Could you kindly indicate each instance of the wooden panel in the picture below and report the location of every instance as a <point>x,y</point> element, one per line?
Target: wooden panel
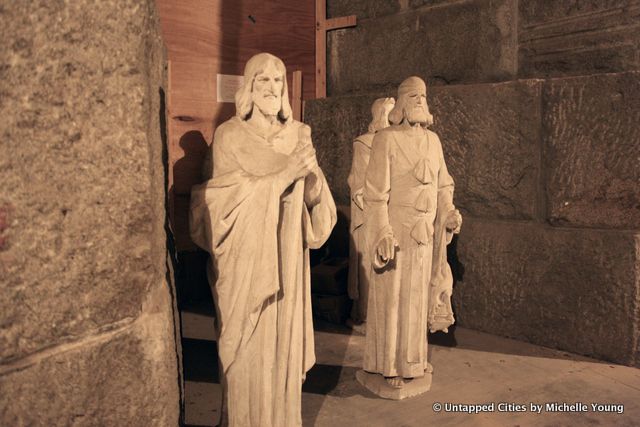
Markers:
<point>205,38</point>
<point>223,30</point>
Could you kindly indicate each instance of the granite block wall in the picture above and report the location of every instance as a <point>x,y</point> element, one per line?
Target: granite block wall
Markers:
<point>87,332</point>
<point>537,105</point>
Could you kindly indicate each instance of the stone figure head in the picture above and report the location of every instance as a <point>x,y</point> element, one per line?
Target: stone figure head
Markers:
<point>264,87</point>
<point>380,113</point>
<point>412,103</point>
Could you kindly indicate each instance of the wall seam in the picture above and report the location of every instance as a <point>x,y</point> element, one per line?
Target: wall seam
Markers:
<point>113,330</point>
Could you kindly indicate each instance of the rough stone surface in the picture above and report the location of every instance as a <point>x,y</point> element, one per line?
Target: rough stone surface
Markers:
<point>363,9</point>
<point>472,41</point>
<point>335,122</point>
<point>559,38</point>
<point>86,327</point>
<point>109,382</point>
<point>592,150</point>
<point>75,169</point>
<point>490,134</point>
<point>575,290</point>
<point>427,3</point>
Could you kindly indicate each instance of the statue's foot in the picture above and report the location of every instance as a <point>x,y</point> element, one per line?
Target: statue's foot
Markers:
<point>395,382</point>
<point>398,382</point>
<point>429,368</point>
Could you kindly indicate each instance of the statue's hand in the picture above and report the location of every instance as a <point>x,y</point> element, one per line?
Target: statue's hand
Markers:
<point>312,187</point>
<point>386,249</point>
<point>301,162</point>
<point>454,221</point>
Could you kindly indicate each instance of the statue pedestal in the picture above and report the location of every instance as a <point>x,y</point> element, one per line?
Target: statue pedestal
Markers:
<point>376,384</point>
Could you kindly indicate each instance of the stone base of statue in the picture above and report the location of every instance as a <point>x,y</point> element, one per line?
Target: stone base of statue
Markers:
<point>379,386</point>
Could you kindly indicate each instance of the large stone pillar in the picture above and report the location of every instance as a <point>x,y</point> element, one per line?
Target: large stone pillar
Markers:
<point>87,332</point>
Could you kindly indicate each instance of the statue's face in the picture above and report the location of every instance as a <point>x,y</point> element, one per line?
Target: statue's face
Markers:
<point>415,109</point>
<point>266,93</point>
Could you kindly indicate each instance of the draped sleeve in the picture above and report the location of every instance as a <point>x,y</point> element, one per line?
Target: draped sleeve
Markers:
<point>360,160</point>
<point>376,190</point>
<point>440,315</point>
<point>319,214</point>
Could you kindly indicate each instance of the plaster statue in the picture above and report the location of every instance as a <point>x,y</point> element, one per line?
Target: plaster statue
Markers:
<point>267,204</point>
<point>409,219</point>
<point>359,268</point>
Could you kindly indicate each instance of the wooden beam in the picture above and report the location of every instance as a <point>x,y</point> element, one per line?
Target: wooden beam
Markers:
<point>341,22</point>
<point>321,49</point>
<point>296,95</point>
<point>322,27</point>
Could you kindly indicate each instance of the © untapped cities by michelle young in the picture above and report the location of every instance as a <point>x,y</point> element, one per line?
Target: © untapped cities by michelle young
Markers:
<point>538,408</point>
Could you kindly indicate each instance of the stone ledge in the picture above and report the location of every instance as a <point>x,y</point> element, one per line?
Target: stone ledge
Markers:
<point>576,38</point>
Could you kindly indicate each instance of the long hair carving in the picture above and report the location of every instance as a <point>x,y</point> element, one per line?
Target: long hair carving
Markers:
<point>255,66</point>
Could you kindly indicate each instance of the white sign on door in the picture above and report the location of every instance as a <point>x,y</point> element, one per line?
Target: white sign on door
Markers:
<point>227,86</point>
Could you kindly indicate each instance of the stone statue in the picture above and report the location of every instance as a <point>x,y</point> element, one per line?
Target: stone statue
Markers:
<point>359,269</point>
<point>409,220</point>
<point>267,204</point>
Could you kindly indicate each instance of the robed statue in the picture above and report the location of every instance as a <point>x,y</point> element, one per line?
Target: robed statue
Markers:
<point>359,263</point>
<point>266,205</point>
<point>409,219</point>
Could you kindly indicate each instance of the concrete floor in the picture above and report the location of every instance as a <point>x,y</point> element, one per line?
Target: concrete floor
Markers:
<point>469,368</point>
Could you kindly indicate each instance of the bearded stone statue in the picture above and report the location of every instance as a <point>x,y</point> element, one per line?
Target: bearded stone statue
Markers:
<point>267,204</point>
<point>409,220</point>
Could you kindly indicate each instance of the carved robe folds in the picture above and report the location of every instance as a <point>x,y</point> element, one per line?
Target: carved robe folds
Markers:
<point>359,260</point>
<point>258,229</point>
<point>408,193</point>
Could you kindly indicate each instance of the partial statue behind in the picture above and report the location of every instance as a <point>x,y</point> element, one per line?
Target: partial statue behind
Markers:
<point>359,264</point>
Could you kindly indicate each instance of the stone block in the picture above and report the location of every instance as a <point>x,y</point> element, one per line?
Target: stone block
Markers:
<point>578,37</point>
<point>363,9</point>
<point>122,379</point>
<point>80,169</point>
<point>592,150</point>
<point>490,135</point>
<point>472,41</point>
<point>335,122</point>
<point>575,290</point>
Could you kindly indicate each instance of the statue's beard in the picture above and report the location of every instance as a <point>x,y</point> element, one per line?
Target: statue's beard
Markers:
<point>419,114</point>
<point>268,105</point>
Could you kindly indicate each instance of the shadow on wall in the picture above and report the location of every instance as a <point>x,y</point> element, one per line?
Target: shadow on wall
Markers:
<point>190,273</point>
<point>187,171</point>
